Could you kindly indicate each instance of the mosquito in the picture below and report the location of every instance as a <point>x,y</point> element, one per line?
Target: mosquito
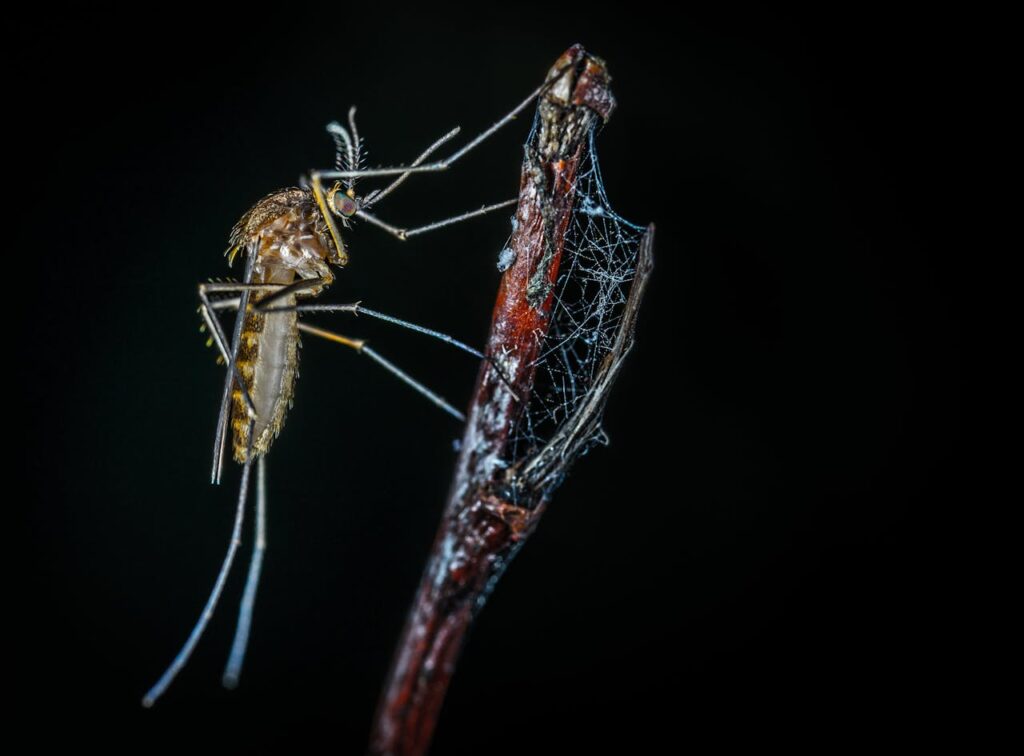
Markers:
<point>290,240</point>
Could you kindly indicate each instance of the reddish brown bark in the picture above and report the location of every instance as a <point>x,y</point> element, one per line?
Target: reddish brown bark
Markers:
<point>482,528</point>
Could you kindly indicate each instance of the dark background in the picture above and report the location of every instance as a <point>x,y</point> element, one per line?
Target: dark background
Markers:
<point>765,551</point>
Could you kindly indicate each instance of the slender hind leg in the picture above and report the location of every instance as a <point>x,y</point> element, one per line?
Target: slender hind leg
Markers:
<point>233,670</point>
<point>358,309</point>
<point>360,346</point>
<point>218,587</point>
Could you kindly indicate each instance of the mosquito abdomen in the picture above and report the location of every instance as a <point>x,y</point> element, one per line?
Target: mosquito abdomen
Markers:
<point>291,243</point>
<point>268,363</point>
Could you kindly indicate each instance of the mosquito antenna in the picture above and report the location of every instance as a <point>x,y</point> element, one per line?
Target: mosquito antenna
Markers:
<point>360,155</point>
<point>342,142</point>
<point>346,148</point>
<point>211,603</point>
<point>233,670</point>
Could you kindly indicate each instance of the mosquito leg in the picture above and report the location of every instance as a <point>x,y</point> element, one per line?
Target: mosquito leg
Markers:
<point>374,197</point>
<point>360,346</point>
<point>439,165</point>
<point>217,333</point>
<point>266,305</point>
<point>227,287</point>
<point>221,340</point>
<point>234,667</point>
<point>225,304</point>
<point>358,309</point>
<point>207,309</point>
<point>405,233</point>
<point>304,284</point>
<point>279,292</point>
<point>211,603</point>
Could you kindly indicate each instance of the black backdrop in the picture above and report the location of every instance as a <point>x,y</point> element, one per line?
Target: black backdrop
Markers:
<point>760,553</point>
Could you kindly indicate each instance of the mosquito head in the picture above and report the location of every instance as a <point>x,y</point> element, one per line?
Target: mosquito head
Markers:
<point>342,203</point>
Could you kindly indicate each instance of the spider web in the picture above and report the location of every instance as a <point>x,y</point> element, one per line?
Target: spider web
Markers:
<point>598,263</point>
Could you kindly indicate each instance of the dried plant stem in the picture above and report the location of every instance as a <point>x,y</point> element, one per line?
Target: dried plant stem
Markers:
<point>495,502</point>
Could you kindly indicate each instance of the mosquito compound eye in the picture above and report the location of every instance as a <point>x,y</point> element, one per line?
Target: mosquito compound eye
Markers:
<point>344,205</point>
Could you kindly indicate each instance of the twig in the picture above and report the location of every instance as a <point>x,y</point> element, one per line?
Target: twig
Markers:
<point>496,500</point>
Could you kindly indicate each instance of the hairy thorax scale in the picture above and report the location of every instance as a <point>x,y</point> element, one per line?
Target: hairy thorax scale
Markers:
<point>286,233</point>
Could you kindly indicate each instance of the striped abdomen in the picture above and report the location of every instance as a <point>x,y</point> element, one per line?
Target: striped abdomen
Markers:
<point>268,363</point>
